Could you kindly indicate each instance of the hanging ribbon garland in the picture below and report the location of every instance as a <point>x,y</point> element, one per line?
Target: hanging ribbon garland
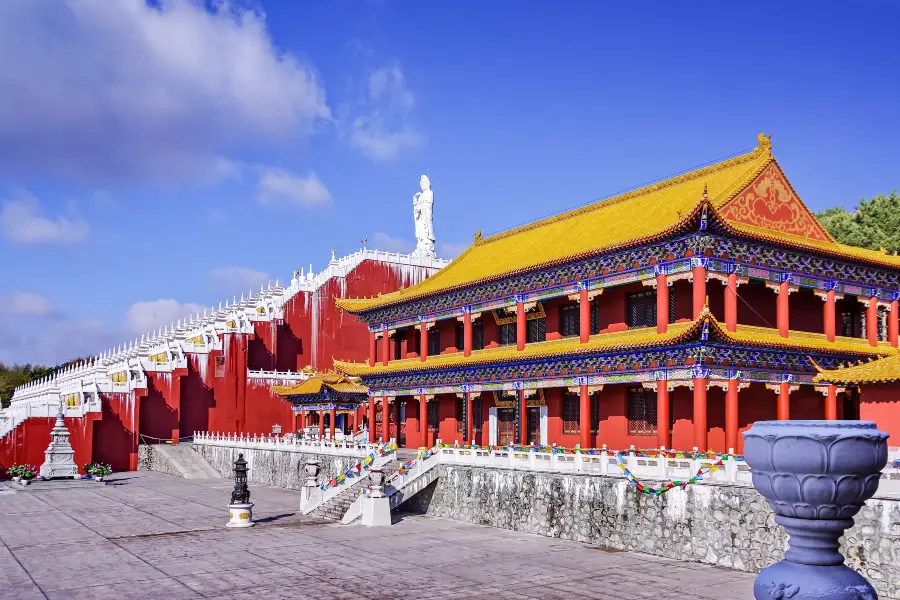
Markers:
<point>358,467</point>
<point>650,490</point>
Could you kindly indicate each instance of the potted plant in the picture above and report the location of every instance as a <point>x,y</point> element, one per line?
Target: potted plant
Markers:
<point>14,473</point>
<point>26,474</point>
<point>98,470</point>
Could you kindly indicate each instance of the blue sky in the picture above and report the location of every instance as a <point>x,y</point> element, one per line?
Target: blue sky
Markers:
<point>157,158</point>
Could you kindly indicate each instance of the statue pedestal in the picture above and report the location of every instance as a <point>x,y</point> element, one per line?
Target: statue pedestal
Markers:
<point>241,515</point>
<point>376,512</point>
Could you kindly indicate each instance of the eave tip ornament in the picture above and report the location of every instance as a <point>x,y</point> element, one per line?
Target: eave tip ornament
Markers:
<point>765,142</point>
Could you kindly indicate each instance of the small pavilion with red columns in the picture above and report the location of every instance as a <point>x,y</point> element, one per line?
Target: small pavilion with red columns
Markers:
<point>675,315</point>
<point>327,397</point>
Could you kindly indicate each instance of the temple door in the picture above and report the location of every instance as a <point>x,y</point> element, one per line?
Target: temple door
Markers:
<point>506,426</point>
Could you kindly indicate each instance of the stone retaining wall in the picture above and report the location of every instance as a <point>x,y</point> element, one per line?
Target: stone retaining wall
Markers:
<point>281,468</point>
<point>725,525</point>
<point>151,459</point>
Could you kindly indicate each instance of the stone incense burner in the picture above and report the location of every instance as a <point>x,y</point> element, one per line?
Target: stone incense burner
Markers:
<point>816,475</point>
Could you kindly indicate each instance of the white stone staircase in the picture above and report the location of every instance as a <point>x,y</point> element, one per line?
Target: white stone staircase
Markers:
<point>336,507</point>
<point>187,462</point>
<point>403,486</point>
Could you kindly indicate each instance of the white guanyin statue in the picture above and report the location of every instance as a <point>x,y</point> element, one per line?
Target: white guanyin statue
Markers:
<point>423,204</point>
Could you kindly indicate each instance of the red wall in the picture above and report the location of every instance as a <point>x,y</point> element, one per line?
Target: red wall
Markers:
<point>881,403</point>
<point>27,442</point>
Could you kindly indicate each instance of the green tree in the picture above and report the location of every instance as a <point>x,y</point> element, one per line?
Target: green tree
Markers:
<point>873,224</point>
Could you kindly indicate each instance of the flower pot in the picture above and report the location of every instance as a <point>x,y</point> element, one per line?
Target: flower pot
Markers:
<point>98,477</point>
<point>25,481</point>
<point>17,479</point>
<point>815,475</point>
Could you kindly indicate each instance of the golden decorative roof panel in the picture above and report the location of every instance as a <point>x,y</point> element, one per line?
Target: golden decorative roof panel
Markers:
<point>883,370</point>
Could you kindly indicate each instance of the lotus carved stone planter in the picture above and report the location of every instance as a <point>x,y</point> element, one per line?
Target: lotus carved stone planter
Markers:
<point>816,475</point>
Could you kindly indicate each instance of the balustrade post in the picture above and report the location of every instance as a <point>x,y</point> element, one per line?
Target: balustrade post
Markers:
<point>579,461</point>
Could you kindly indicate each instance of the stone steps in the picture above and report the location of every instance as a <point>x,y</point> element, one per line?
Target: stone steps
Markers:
<point>190,464</point>
<point>335,508</point>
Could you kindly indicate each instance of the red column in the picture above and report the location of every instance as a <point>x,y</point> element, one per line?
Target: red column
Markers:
<point>385,419</point>
<point>584,316</point>
<point>782,307</point>
<point>731,303</point>
<point>523,419</point>
<point>423,420</point>
<point>467,334</point>
<point>662,303</point>
<point>371,419</point>
<point>332,417</point>
<point>373,345</point>
<point>872,321</point>
<point>386,347</point>
<point>783,410</point>
<point>893,322</point>
<point>468,425</point>
<point>584,418</point>
<point>831,403</point>
<point>520,326</point>
<point>353,417</point>
<point>700,432</point>
<point>731,416</point>
<point>828,315</point>
<point>321,424</point>
<point>423,342</point>
<point>302,416</point>
<point>662,414</point>
<point>699,290</point>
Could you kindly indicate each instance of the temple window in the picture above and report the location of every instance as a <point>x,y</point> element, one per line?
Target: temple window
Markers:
<point>595,413</point>
<point>595,316</point>
<point>460,417</point>
<point>434,415</point>
<point>476,414</point>
<point>568,320</point>
<point>477,335</point>
<point>853,318</point>
<point>641,309</point>
<point>535,330</point>
<point>571,414</point>
<point>506,333</point>
<point>220,366</point>
<point>434,341</point>
<point>641,411</point>
<point>398,343</point>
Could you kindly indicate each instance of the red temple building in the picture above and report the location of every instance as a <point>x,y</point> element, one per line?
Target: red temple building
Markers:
<point>675,315</point>
<point>209,372</point>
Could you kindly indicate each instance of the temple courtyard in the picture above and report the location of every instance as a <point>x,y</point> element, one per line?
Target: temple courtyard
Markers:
<point>149,535</point>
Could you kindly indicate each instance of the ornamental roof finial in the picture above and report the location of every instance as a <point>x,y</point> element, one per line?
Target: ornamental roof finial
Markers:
<point>477,236</point>
<point>765,142</point>
<point>705,191</point>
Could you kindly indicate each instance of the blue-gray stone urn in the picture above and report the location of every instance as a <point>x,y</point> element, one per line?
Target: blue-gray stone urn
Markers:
<point>816,475</point>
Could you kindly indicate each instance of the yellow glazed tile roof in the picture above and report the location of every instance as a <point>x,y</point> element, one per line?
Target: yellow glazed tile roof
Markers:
<point>633,217</point>
<point>625,340</point>
<point>600,226</point>
<point>876,371</point>
<point>337,382</point>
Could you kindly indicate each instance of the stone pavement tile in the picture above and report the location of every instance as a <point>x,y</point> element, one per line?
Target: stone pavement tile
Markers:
<point>62,567</point>
<point>210,563</point>
<point>233,580</point>
<point>291,593</point>
<point>22,503</point>
<point>152,589</point>
<point>21,591</point>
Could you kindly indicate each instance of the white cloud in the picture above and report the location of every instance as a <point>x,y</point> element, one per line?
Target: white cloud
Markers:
<point>381,126</point>
<point>445,250</point>
<point>143,317</point>
<point>382,241</point>
<point>22,222</point>
<point>27,304</point>
<point>96,90</point>
<point>240,278</point>
<point>277,186</point>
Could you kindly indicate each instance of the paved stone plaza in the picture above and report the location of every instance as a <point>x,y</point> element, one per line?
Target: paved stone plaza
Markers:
<point>149,535</point>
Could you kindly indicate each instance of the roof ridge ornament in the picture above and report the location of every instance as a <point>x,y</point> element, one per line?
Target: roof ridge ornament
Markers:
<point>765,142</point>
